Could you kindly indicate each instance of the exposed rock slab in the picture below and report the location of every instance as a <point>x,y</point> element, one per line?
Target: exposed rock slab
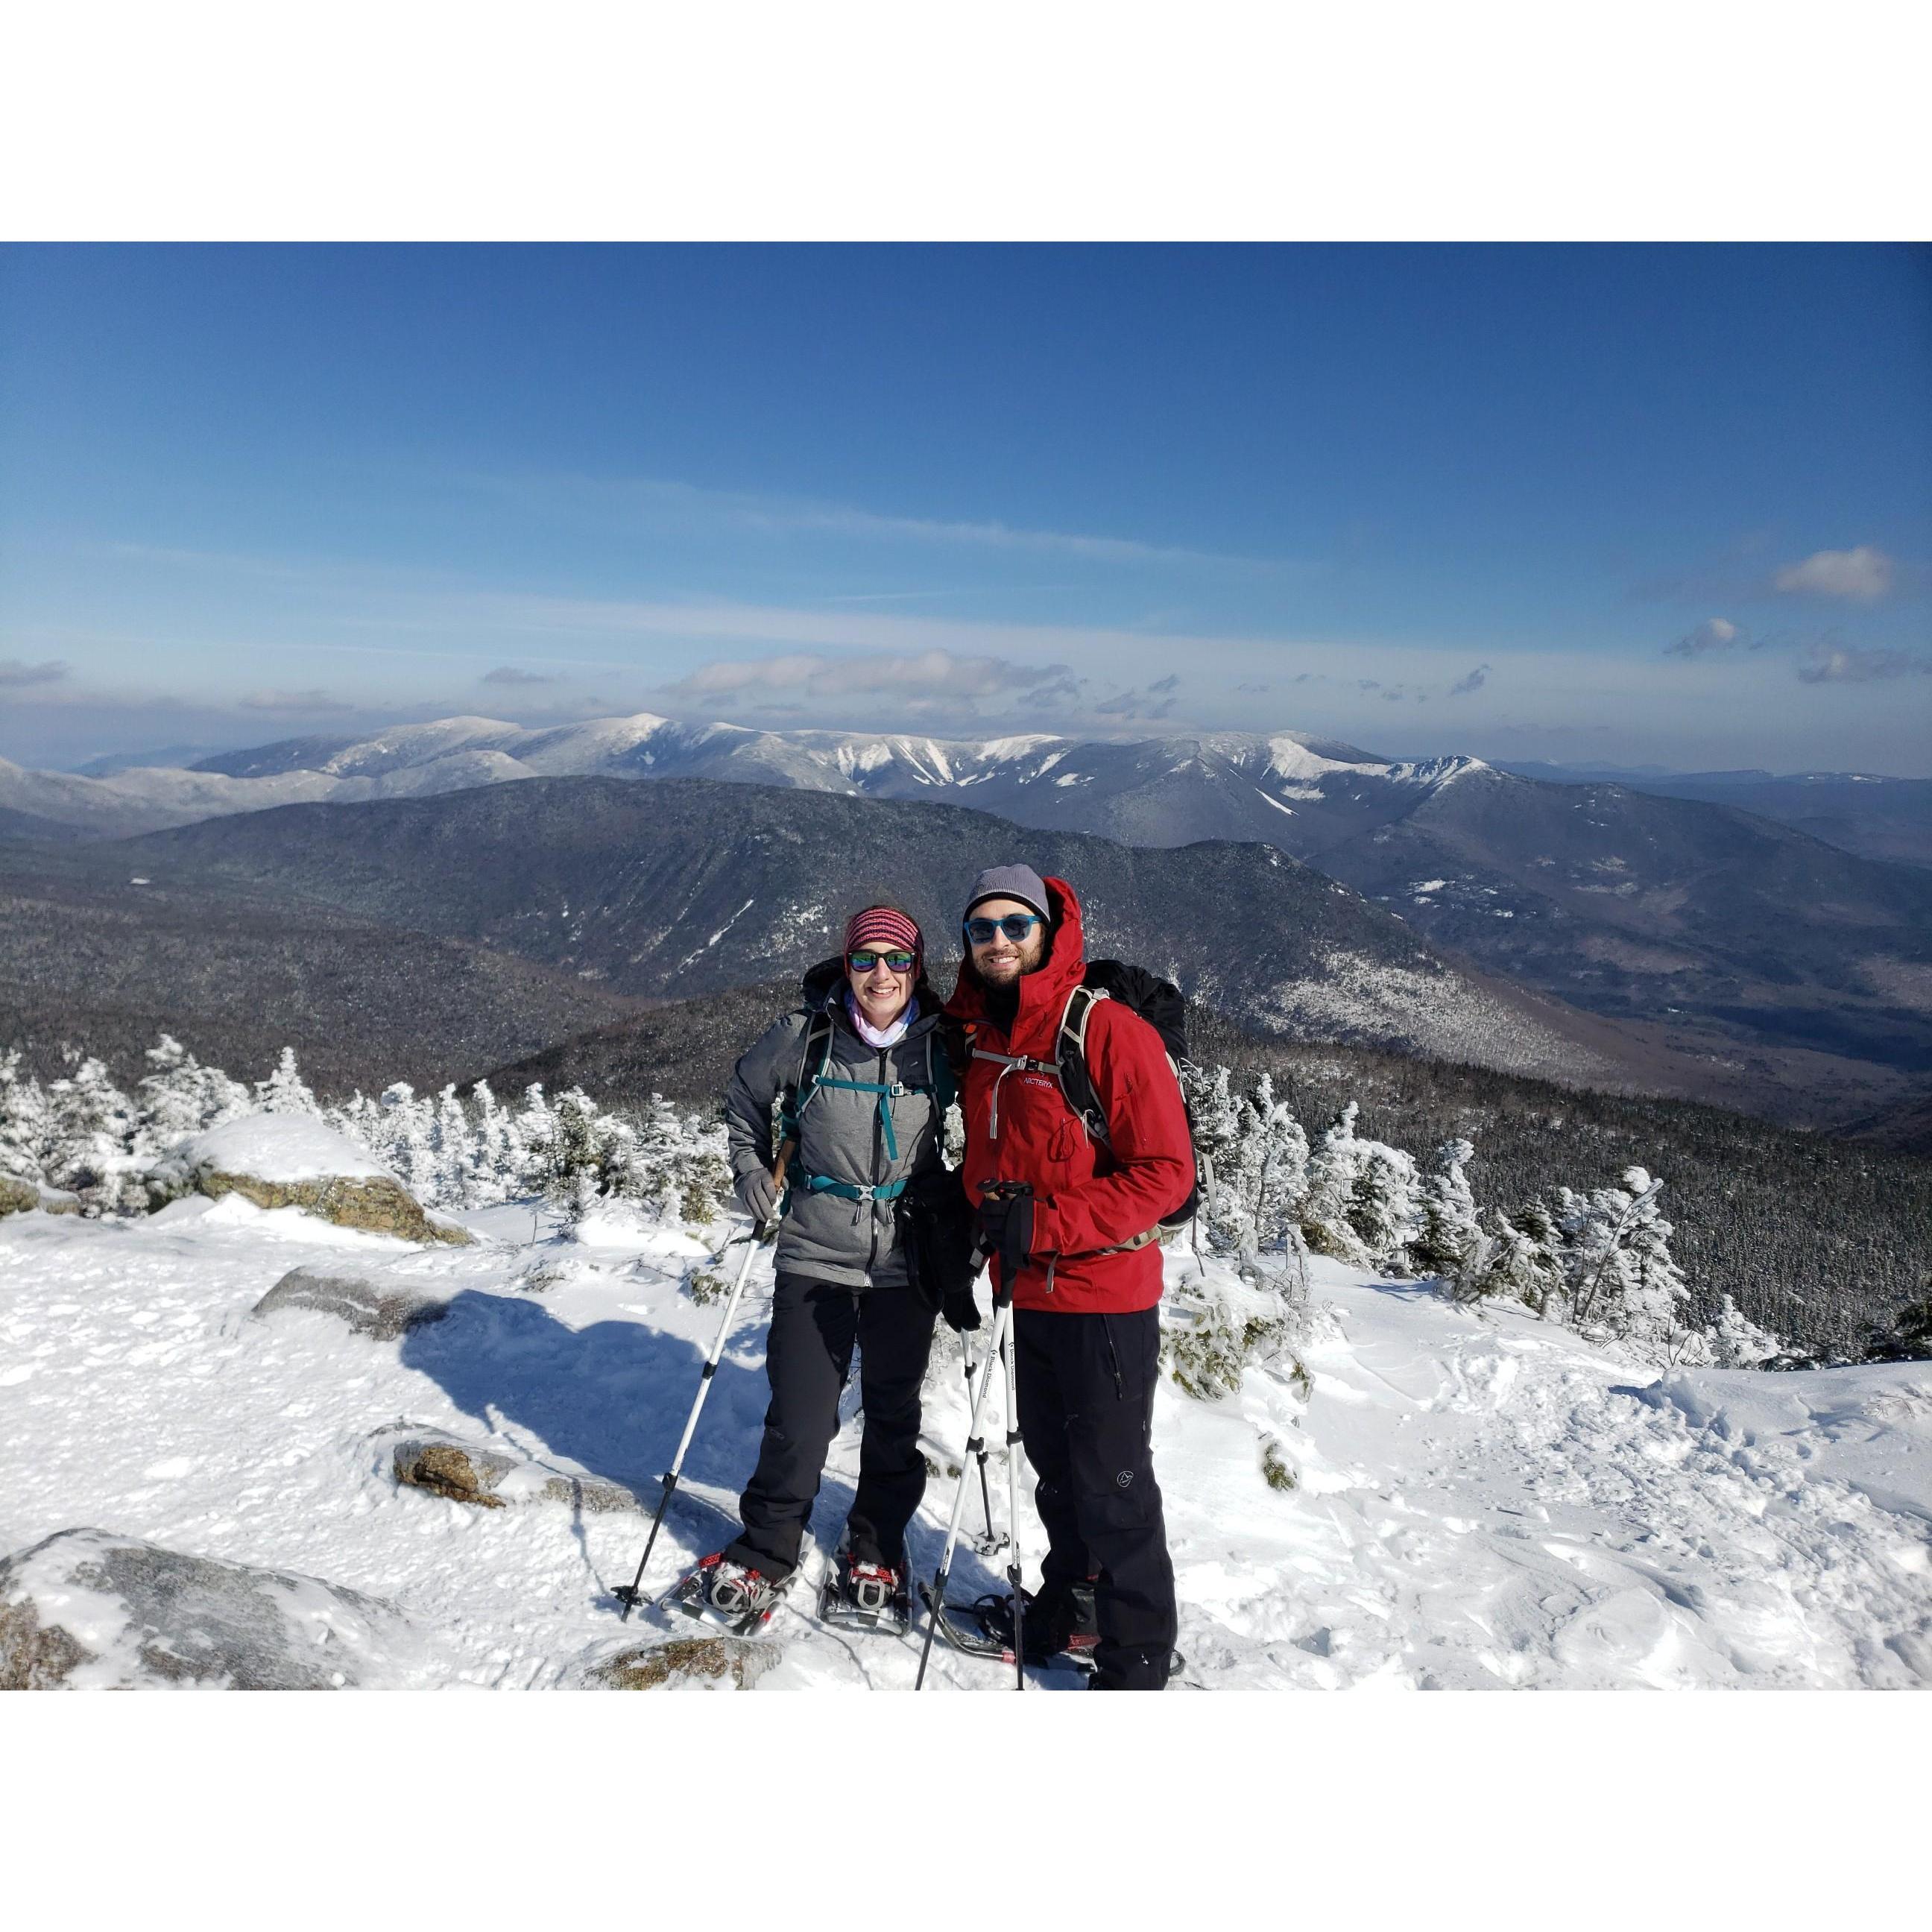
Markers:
<point>20,1197</point>
<point>465,1472</point>
<point>382,1310</point>
<point>87,1609</point>
<point>374,1203</point>
<point>685,1663</point>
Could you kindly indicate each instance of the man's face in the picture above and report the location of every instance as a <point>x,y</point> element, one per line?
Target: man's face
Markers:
<point>1001,960</point>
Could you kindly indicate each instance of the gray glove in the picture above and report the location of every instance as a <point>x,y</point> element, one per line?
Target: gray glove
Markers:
<point>759,1193</point>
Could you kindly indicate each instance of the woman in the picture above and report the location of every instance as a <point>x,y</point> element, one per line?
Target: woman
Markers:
<point>862,1084</point>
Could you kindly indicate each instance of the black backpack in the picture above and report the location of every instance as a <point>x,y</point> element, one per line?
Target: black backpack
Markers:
<point>1158,1002</point>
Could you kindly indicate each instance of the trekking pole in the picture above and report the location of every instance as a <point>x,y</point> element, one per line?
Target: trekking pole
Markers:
<point>990,1545</point>
<point>633,1596</point>
<point>935,1602</point>
<point>1007,1352</point>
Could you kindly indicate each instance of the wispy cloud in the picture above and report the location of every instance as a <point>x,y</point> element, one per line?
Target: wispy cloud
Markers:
<point>16,674</point>
<point>510,674</point>
<point>658,498</point>
<point>930,673</point>
<point>1156,701</point>
<point>303,702</point>
<point>1714,633</point>
<point>1843,663</point>
<point>1862,575</point>
<point>1476,679</point>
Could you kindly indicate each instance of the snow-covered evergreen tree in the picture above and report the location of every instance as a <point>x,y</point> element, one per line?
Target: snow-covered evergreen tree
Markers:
<point>1623,1280</point>
<point>1224,1219</point>
<point>1385,1206</point>
<point>27,1134</point>
<point>88,1147</point>
<point>1736,1342</point>
<point>1280,1167</point>
<point>285,1091</point>
<point>1448,1243</point>
<point>179,1097</point>
<point>1520,1258</point>
<point>1333,1169</point>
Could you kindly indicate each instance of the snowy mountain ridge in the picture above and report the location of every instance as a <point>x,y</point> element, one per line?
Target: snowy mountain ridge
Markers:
<point>452,753</point>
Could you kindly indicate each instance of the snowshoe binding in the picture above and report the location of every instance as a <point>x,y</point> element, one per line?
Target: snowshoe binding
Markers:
<point>1057,1627</point>
<point>729,1596</point>
<point>861,1595</point>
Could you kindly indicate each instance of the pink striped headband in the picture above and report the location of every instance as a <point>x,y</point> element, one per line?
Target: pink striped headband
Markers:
<point>881,927</point>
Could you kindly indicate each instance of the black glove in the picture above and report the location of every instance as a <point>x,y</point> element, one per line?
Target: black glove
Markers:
<point>961,1311</point>
<point>1006,1233</point>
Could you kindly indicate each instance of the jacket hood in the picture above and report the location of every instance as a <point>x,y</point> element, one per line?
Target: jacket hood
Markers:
<point>1044,992</point>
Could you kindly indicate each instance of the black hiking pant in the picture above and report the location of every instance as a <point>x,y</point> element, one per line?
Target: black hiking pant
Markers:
<point>1086,1386</point>
<point>808,1357</point>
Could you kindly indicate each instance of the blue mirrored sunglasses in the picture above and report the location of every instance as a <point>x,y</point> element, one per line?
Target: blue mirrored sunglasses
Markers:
<point>1015,926</point>
<point>864,962</point>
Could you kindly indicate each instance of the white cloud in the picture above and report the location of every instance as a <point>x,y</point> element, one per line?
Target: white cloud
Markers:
<point>1475,681</point>
<point>1841,664</point>
<point>510,674</point>
<point>1859,576</point>
<point>1714,633</point>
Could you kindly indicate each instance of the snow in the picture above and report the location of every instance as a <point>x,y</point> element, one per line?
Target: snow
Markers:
<point>1266,800</point>
<point>1288,757</point>
<point>280,1146</point>
<point>1480,1500</point>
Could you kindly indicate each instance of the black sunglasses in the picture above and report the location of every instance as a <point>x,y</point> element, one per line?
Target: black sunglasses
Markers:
<point>1015,926</point>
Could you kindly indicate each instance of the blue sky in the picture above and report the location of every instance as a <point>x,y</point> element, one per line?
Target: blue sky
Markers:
<point>1668,505</point>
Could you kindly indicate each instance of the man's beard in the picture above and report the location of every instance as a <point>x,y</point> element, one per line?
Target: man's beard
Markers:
<point>1003,1000</point>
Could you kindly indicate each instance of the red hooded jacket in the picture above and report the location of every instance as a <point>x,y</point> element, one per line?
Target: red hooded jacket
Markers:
<point>1087,1197</point>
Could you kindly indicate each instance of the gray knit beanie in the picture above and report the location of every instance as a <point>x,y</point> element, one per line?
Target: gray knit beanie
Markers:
<point>1010,882</point>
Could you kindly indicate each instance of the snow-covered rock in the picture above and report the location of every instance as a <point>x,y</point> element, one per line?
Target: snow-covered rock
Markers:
<point>292,1160</point>
<point>281,1148</point>
<point>85,1609</point>
<point>383,1311</point>
<point>465,1472</point>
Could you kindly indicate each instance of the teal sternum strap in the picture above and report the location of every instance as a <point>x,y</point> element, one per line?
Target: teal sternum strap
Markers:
<point>885,1094</point>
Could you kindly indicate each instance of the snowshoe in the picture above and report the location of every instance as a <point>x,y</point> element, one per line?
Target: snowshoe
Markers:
<point>1057,1636</point>
<point>729,1596</point>
<point>959,1626</point>
<point>864,1596</point>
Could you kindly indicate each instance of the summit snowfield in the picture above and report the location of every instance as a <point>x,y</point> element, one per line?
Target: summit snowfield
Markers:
<point>1477,1500</point>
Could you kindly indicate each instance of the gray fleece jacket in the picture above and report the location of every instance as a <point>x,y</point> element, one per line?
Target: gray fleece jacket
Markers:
<point>842,1136</point>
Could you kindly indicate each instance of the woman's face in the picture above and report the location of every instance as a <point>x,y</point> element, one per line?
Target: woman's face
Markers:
<point>881,989</point>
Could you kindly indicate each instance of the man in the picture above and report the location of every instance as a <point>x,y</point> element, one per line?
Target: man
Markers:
<point>1075,1241</point>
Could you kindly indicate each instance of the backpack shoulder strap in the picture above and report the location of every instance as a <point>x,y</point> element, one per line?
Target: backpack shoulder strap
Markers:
<point>1075,1082</point>
<point>816,1041</point>
<point>939,1072</point>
